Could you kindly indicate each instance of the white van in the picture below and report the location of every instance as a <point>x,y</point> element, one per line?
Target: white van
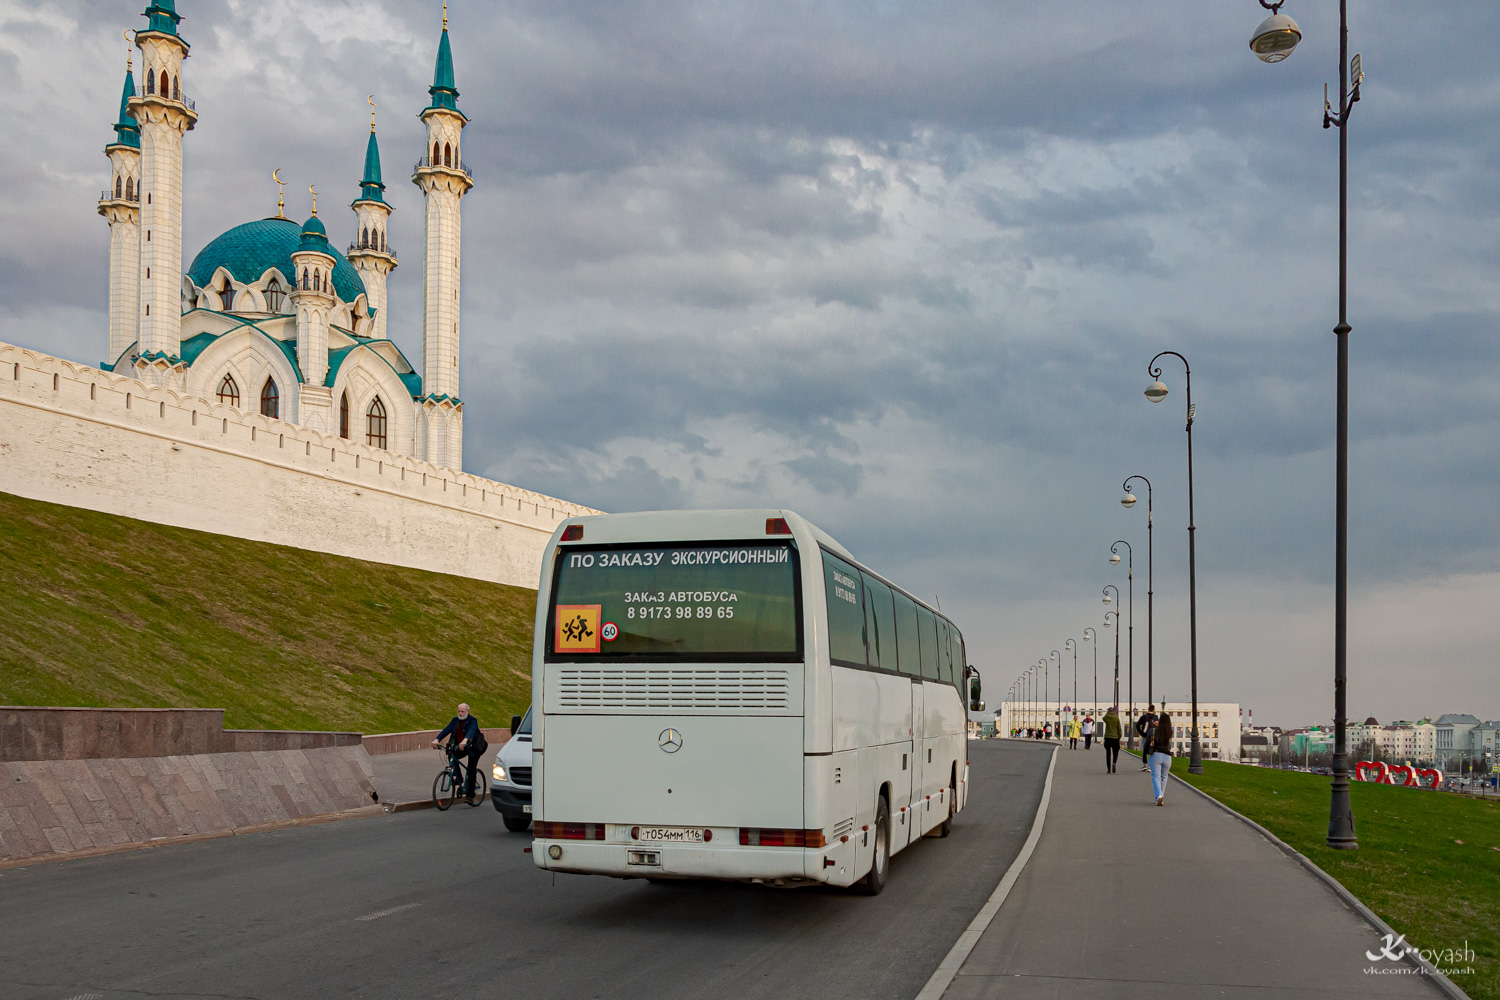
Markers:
<point>510,778</point>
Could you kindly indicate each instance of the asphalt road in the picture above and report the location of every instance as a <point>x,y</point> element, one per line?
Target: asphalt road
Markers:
<point>446,904</point>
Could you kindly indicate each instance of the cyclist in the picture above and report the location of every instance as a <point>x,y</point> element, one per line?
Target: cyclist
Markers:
<point>465,743</point>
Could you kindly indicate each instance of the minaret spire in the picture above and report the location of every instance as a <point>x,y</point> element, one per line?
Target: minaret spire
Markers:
<point>120,204</point>
<point>369,253</point>
<point>444,180</point>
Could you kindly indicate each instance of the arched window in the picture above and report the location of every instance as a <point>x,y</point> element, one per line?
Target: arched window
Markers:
<point>270,399</point>
<point>164,90</point>
<point>229,392</point>
<point>150,82</point>
<point>435,160</point>
<point>375,424</point>
<point>318,280</point>
<point>226,295</point>
<point>176,89</point>
<point>382,241</point>
<point>130,189</point>
<point>447,155</point>
<point>118,187</point>
<point>364,238</point>
<point>305,285</point>
<point>273,296</point>
<point>344,415</point>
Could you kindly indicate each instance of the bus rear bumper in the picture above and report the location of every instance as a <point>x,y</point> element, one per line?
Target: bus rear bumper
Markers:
<point>773,865</point>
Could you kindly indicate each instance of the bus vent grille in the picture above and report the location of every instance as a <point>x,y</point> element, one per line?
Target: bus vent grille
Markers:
<point>847,826</point>
<point>644,687</point>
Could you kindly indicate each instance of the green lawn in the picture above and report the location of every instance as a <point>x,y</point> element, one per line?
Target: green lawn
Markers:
<point>99,610</point>
<point>1428,862</point>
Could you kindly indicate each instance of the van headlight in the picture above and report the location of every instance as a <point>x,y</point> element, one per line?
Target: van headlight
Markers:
<point>498,772</point>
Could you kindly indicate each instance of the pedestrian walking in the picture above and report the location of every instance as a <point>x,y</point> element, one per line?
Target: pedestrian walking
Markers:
<point>1161,757</point>
<point>1145,728</point>
<point>1075,727</point>
<point>1088,731</point>
<point>1112,732</point>
<point>1047,731</point>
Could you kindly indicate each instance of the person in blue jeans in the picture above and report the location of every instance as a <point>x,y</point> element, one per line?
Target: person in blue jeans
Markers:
<point>1161,756</point>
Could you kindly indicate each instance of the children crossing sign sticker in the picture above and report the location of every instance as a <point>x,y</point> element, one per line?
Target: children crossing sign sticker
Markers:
<point>577,628</point>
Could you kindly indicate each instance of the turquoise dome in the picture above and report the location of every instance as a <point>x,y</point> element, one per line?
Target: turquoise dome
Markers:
<point>248,251</point>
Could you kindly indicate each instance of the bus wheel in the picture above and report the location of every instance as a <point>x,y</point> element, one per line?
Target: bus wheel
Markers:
<point>880,865</point>
<point>947,824</point>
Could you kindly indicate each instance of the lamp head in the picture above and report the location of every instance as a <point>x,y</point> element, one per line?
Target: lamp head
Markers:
<point>1108,599</point>
<point>1114,558</point>
<point>1275,38</point>
<point>1128,500</point>
<point>1156,391</point>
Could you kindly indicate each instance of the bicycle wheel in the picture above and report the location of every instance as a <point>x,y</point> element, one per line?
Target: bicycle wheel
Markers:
<point>481,786</point>
<point>444,791</point>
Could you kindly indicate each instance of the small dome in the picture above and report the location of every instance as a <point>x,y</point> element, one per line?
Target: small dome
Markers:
<point>1371,721</point>
<point>248,251</point>
<point>314,227</point>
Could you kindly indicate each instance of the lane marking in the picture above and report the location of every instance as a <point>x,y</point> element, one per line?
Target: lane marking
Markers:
<point>387,912</point>
<point>942,978</point>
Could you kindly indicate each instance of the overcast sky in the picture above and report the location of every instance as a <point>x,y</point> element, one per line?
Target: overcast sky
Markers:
<point>901,267</point>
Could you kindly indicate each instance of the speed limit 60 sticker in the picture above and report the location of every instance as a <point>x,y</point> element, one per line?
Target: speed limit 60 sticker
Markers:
<point>609,632</point>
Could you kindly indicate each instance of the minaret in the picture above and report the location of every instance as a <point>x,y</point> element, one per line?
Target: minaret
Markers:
<point>312,301</point>
<point>444,180</point>
<point>164,114</point>
<point>120,205</point>
<point>369,254</point>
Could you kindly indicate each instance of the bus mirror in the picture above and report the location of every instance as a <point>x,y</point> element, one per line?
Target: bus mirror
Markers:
<point>515,723</point>
<point>976,702</point>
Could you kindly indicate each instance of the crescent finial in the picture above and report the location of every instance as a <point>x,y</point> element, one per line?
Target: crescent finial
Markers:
<point>128,54</point>
<point>371,99</point>
<point>314,194</point>
<point>280,201</point>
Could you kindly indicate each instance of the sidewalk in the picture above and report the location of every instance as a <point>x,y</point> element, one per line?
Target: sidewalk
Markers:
<point>407,776</point>
<point>1125,900</point>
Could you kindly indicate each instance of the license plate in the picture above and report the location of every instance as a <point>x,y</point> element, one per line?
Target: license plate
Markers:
<point>671,835</point>
<point>526,808</point>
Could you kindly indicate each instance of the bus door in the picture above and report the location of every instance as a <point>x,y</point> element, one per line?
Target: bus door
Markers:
<point>918,780</point>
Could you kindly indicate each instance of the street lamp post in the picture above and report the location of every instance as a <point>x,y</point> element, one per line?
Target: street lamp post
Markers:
<point>1090,635</point>
<point>1073,712</point>
<point>1273,41</point>
<point>1114,557</point>
<point>1129,501</point>
<point>1116,701</point>
<point>1156,392</point>
<point>1057,711</point>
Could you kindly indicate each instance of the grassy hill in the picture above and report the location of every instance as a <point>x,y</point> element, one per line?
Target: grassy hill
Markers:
<point>100,610</point>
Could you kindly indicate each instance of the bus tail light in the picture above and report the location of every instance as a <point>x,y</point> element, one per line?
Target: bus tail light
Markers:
<point>777,526</point>
<point>569,831</point>
<point>573,533</point>
<point>751,836</point>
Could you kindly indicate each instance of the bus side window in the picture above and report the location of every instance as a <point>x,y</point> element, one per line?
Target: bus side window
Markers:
<point>960,664</point>
<point>846,616</point>
<point>906,636</point>
<point>927,633</point>
<point>945,663</point>
<point>880,624</point>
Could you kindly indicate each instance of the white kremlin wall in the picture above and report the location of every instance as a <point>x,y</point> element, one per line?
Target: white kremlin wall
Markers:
<point>76,435</point>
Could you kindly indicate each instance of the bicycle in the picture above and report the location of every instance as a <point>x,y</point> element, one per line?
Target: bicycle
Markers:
<point>449,783</point>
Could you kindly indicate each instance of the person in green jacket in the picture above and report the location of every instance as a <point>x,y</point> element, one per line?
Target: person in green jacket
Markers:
<point>1111,738</point>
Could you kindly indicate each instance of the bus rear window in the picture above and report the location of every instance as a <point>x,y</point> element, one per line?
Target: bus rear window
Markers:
<point>729,600</point>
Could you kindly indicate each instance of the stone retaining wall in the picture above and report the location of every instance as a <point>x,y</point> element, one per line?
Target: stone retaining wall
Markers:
<point>382,743</point>
<point>28,733</point>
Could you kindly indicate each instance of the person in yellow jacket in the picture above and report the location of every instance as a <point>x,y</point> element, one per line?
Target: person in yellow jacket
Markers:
<point>1075,730</point>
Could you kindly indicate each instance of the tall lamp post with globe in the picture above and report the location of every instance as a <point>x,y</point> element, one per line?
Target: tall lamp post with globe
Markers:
<point>1156,392</point>
<point>1116,701</point>
<point>1090,635</point>
<point>1128,501</point>
<point>1272,41</point>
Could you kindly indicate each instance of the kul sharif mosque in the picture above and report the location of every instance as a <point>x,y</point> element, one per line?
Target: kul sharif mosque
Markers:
<point>270,316</point>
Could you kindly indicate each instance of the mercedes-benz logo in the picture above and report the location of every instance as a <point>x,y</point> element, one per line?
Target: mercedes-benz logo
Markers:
<point>670,740</point>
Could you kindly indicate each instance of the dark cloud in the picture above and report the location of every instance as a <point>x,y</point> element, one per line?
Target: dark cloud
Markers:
<point>901,267</point>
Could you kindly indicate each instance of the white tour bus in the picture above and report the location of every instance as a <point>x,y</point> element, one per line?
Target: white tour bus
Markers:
<point>730,695</point>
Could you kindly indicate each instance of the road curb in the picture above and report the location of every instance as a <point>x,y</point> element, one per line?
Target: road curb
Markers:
<point>193,838</point>
<point>401,807</point>
<point>948,968</point>
<point>1448,986</point>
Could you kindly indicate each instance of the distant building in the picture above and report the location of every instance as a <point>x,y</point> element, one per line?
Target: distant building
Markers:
<point>1218,723</point>
<point>1257,747</point>
<point>1452,733</point>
